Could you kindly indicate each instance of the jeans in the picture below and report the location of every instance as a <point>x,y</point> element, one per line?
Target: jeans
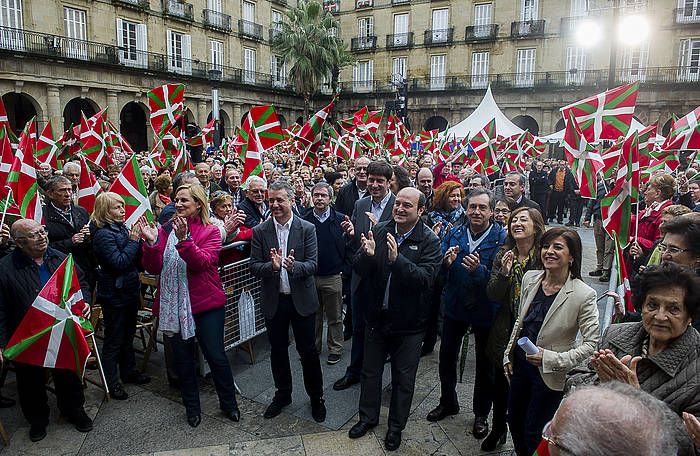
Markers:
<point>531,404</point>
<point>278,335</point>
<point>453,331</point>
<point>210,335</point>
<point>118,348</point>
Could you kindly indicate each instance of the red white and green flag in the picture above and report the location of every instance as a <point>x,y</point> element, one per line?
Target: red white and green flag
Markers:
<point>268,133</point>
<point>685,133</point>
<point>620,282</point>
<point>10,211</point>
<point>584,159</point>
<point>22,177</point>
<point>4,122</point>
<point>115,141</point>
<point>130,186</point>
<point>616,206</point>
<point>7,156</point>
<point>49,145</point>
<point>167,106</point>
<point>252,164</point>
<point>310,134</point>
<point>513,154</point>
<point>542,449</point>
<point>88,187</point>
<point>607,115</point>
<point>175,150</point>
<point>428,140</point>
<point>53,331</point>
<point>204,138</point>
<point>532,145</point>
<point>482,144</point>
<point>92,137</point>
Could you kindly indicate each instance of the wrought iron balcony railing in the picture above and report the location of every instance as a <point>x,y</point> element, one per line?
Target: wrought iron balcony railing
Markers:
<point>134,4</point>
<point>570,24</point>
<point>216,20</point>
<point>363,43</point>
<point>280,2</point>
<point>399,40</point>
<point>688,15</point>
<point>250,30</point>
<point>438,37</point>
<point>332,6</point>
<point>179,10</point>
<point>527,29</point>
<point>487,32</point>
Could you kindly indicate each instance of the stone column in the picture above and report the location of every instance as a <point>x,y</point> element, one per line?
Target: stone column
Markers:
<point>113,113</point>
<point>236,115</point>
<point>202,113</point>
<point>546,128</point>
<point>53,102</point>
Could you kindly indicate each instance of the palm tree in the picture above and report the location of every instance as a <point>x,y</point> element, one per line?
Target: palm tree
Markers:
<point>309,43</point>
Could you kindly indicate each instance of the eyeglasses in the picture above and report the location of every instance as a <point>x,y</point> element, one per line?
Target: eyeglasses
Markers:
<point>38,234</point>
<point>549,438</point>
<point>670,249</point>
<point>259,191</point>
<point>501,211</point>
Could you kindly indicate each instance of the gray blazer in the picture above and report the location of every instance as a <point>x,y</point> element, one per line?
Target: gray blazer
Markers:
<point>362,225</point>
<point>302,238</point>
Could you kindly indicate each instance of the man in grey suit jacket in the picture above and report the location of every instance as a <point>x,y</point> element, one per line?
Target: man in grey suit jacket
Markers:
<point>368,211</point>
<point>284,254</point>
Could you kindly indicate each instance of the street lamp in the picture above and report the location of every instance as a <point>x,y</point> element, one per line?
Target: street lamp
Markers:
<point>215,80</point>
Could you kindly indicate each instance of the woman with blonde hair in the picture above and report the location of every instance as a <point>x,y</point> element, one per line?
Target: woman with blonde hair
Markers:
<point>190,301</point>
<point>117,249</point>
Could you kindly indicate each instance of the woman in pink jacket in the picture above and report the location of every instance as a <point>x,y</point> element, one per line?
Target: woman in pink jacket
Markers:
<point>190,300</point>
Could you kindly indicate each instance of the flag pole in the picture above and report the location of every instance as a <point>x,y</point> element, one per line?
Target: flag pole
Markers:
<point>7,204</point>
<point>99,363</point>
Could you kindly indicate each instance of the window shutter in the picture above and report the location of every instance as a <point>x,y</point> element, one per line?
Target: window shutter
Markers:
<point>142,45</point>
<point>187,54</point>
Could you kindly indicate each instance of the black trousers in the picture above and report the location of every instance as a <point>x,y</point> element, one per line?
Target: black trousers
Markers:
<point>405,355</point>
<point>118,348</point>
<point>347,303</point>
<point>556,206</point>
<point>531,404</point>
<point>576,208</point>
<point>541,199</point>
<point>453,332</point>
<point>31,389</point>
<point>304,337</point>
<point>431,332</point>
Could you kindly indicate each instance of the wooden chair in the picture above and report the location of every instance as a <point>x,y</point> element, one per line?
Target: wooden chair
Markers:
<point>147,323</point>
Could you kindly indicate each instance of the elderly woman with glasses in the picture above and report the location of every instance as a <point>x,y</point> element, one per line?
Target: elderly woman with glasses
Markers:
<point>504,207</point>
<point>228,219</point>
<point>660,354</point>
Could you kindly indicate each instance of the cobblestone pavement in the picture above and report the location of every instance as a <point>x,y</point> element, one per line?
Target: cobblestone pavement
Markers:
<point>152,420</point>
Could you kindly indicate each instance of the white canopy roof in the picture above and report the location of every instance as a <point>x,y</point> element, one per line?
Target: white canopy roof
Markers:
<point>634,126</point>
<point>487,110</point>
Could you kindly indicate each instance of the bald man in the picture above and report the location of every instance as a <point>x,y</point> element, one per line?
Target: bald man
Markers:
<point>398,260</point>
<point>424,183</point>
<point>25,272</point>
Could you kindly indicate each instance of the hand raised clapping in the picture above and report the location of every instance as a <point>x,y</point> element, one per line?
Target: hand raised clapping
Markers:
<point>180,228</point>
<point>367,244</point>
<point>451,255</point>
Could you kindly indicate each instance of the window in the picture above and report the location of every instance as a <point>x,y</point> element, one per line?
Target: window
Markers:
<point>578,8</point>
<point>575,65</point>
<point>216,55</point>
<point>249,67</point>
<point>440,25</point>
<point>132,42</point>
<point>525,68</point>
<point>528,10</point>
<point>688,11</point>
<point>76,33</point>
<point>365,32</point>
<point>248,17</point>
<point>363,3</point>
<point>276,23</point>
<point>398,70</point>
<point>332,6</point>
<point>179,53</point>
<point>634,63</point>
<point>482,20</point>
<point>363,72</point>
<point>401,29</point>
<point>437,72</point>
<point>12,36</point>
<point>480,70</point>
<point>278,70</point>
<point>689,61</point>
<point>214,5</point>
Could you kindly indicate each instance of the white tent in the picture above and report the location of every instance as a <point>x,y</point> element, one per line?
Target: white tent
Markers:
<point>634,126</point>
<point>487,110</point>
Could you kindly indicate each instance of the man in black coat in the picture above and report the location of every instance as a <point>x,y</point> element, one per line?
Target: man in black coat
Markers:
<point>254,206</point>
<point>539,186</point>
<point>398,262</point>
<point>514,187</point>
<point>67,225</point>
<point>353,190</point>
<point>25,271</point>
<point>562,184</point>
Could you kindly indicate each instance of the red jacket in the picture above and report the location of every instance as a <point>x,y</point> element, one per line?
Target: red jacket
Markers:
<point>439,179</point>
<point>201,254</point>
<point>649,223</point>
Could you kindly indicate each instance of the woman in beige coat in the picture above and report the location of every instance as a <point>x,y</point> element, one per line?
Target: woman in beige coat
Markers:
<point>555,305</point>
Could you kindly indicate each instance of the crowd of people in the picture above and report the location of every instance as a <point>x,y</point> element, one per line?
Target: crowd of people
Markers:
<point>393,256</point>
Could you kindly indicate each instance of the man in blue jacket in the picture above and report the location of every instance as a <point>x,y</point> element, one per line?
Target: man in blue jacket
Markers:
<point>469,250</point>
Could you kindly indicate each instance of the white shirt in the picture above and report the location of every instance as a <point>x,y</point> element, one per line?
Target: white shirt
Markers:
<point>324,215</point>
<point>282,237</point>
<point>378,208</point>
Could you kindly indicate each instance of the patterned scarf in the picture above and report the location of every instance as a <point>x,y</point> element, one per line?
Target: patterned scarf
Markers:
<point>517,272</point>
<point>175,308</point>
<point>446,218</point>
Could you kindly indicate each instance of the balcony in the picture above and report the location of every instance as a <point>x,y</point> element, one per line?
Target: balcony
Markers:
<point>483,33</point>
<point>527,29</point>
<point>399,41</point>
<point>280,2</point>
<point>217,21</point>
<point>687,15</point>
<point>274,31</point>
<point>400,2</point>
<point>363,43</point>
<point>140,5</point>
<point>359,4</point>
<point>250,30</point>
<point>332,6</point>
<point>569,25</point>
<point>438,37</point>
<point>179,10</point>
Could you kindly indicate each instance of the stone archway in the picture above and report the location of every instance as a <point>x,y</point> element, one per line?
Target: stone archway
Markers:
<point>132,125</point>
<point>76,108</point>
<point>189,117</point>
<point>527,123</point>
<point>435,122</point>
<point>21,108</point>
<point>666,129</point>
<point>283,121</point>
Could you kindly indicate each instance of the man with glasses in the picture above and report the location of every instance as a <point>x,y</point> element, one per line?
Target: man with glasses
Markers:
<point>353,190</point>
<point>25,271</point>
<point>254,205</point>
<point>67,225</point>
